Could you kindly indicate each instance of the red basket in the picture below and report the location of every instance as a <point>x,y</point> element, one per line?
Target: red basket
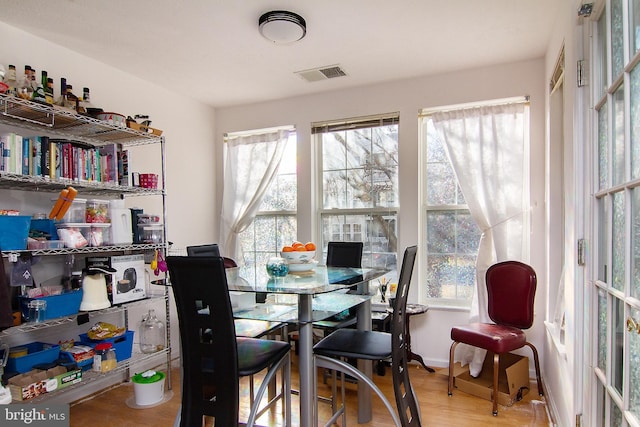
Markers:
<point>149,180</point>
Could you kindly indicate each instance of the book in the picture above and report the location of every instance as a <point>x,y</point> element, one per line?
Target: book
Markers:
<point>109,163</point>
<point>45,156</point>
<point>123,167</point>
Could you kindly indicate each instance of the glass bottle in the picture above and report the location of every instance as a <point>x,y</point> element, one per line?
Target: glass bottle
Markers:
<point>48,91</point>
<point>62,101</point>
<point>25,90</point>
<point>152,336</point>
<point>11,81</point>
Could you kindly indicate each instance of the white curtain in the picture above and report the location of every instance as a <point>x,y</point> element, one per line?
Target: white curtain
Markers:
<point>488,148</point>
<point>251,164</point>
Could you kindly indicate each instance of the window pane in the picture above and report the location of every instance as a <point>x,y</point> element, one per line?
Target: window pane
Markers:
<point>635,243</point>
<point>602,54</point>
<point>617,274</point>
<point>618,136</point>
<point>634,367</point>
<point>634,27</point>
<point>617,33</point>
<point>602,330</point>
<point>603,239</point>
<point>452,245</point>
<point>441,236</point>
<point>360,168</point>
<point>618,331</point>
<point>635,121</point>
<point>603,144</point>
<point>377,232</point>
<point>442,184</point>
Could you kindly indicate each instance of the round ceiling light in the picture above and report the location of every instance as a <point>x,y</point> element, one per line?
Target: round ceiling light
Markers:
<point>282,27</point>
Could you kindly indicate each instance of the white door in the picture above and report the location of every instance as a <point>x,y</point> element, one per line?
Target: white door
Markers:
<point>614,280</point>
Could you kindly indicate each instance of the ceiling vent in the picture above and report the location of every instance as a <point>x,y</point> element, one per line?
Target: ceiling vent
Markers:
<point>322,73</point>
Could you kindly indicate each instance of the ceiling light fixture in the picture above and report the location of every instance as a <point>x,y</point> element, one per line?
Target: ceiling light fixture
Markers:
<point>282,27</point>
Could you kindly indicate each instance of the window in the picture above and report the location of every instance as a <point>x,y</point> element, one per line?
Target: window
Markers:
<point>452,236</point>
<point>358,185</point>
<point>475,184</point>
<point>275,222</point>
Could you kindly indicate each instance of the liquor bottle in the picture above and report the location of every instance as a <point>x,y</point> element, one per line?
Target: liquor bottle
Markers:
<point>38,95</point>
<point>62,101</point>
<point>25,90</point>
<point>72,100</point>
<point>44,83</point>
<point>48,91</point>
<point>10,80</point>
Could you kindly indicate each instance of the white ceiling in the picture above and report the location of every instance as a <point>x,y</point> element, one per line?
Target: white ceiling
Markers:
<point>213,49</point>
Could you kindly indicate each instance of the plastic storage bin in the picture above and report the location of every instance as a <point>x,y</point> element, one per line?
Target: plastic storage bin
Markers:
<point>14,230</point>
<point>151,233</point>
<point>37,352</point>
<point>122,344</point>
<point>74,234</point>
<point>97,211</point>
<point>99,234</point>
<point>66,304</point>
<point>77,211</point>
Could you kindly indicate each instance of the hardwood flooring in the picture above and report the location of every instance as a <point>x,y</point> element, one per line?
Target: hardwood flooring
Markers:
<point>438,409</point>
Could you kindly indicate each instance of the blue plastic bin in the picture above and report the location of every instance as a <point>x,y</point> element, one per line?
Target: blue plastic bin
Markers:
<point>14,230</point>
<point>37,352</point>
<point>122,344</point>
<point>66,304</point>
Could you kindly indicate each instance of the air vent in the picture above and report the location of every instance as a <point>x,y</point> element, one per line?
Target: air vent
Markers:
<point>322,73</point>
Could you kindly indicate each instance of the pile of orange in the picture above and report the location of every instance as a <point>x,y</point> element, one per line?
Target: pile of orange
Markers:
<point>299,247</point>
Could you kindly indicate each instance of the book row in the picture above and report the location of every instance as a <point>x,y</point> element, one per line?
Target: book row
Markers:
<point>63,159</point>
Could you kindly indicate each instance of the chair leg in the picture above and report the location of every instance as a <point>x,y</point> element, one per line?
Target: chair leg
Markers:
<point>451,353</point>
<point>331,363</point>
<point>256,412</point>
<point>537,365</point>
<point>496,368</point>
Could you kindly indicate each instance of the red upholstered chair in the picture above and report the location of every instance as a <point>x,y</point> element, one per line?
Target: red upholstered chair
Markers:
<point>511,290</point>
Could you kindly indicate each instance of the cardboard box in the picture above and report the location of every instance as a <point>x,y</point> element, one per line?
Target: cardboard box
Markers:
<point>129,280</point>
<point>34,383</point>
<point>513,378</point>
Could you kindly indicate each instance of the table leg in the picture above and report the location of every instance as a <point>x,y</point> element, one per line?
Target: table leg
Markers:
<point>410,354</point>
<point>366,366</point>
<point>305,361</point>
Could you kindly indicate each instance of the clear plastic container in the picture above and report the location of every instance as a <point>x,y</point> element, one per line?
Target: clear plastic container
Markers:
<point>76,212</point>
<point>99,234</point>
<point>105,357</point>
<point>97,211</point>
<point>151,233</point>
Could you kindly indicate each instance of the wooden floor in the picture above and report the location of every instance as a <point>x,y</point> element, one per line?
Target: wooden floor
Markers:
<point>438,409</point>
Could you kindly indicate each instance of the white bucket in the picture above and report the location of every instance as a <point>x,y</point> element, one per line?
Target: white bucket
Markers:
<point>148,387</point>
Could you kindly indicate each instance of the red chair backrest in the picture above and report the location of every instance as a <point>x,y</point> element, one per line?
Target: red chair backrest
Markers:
<point>511,290</point>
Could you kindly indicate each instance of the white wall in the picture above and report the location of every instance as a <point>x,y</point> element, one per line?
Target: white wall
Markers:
<point>188,127</point>
<point>431,331</point>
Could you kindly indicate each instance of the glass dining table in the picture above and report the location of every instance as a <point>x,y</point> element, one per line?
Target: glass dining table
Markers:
<point>321,293</point>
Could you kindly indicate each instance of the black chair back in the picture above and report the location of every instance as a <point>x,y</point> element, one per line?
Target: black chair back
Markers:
<point>344,254</point>
<point>406,401</point>
<point>209,361</point>
<point>204,250</point>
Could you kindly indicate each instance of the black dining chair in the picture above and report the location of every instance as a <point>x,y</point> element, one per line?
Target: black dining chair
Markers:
<point>213,363</point>
<point>250,328</point>
<point>344,254</point>
<point>375,345</point>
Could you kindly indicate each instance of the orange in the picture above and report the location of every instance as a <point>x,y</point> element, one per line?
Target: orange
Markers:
<point>310,246</point>
<point>296,245</point>
<point>287,249</point>
<point>300,248</point>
